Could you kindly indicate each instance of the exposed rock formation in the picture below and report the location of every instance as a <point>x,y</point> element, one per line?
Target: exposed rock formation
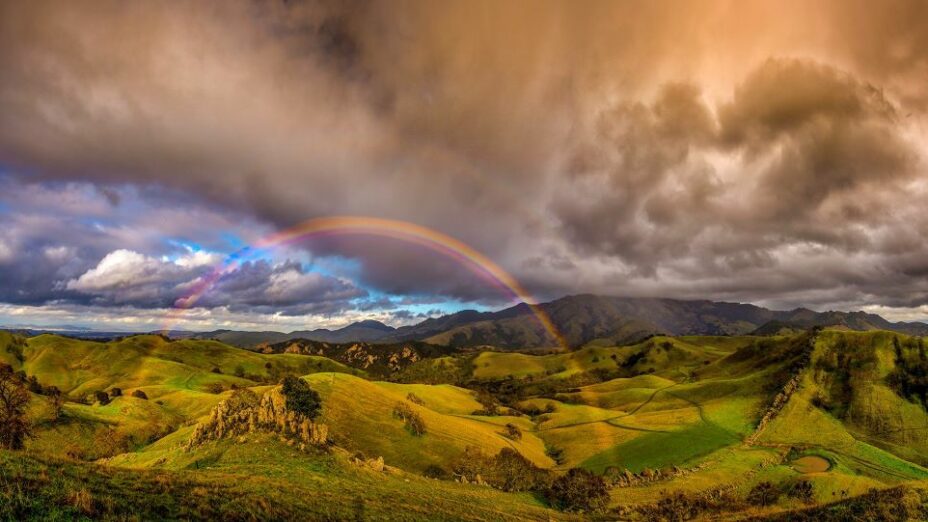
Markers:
<point>780,400</point>
<point>245,413</point>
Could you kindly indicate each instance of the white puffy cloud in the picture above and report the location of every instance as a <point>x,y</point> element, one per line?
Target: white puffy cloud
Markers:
<point>125,276</point>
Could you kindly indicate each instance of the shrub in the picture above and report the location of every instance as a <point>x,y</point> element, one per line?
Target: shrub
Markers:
<point>557,454</point>
<point>108,442</point>
<point>489,402</point>
<point>115,392</point>
<point>300,397</point>
<point>17,350</point>
<point>674,507</point>
<point>763,494</point>
<point>82,501</point>
<point>802,490</point>
<point>102,397</point>
<point>56,400</point>
<point>578,490</point>
<point>215,388</point>
<point>240,372</point>
<point>413,420</point>
<point>679,506</point>
<point>139,394</point>
<point>413,398</point>
<point>34,385</point>
<point>216,369</point>
<point>513,432</point>
<point>435,472</point>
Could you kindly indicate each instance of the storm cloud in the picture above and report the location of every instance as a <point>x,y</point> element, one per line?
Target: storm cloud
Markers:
<point>771,152</point>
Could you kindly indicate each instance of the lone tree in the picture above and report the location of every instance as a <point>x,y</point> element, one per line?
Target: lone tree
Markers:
<point>55,400</point>
<point>300,397</point>
<point>14,396</point>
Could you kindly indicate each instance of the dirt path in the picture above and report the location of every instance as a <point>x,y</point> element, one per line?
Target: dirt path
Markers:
<point>609,420</point>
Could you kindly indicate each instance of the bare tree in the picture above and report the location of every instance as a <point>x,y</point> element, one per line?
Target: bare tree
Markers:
<point>14,397</point>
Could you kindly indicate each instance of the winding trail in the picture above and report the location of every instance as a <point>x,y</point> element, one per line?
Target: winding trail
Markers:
<point>609,420</point>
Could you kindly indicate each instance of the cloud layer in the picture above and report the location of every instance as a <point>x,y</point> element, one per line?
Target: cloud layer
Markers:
<point>771,152</point>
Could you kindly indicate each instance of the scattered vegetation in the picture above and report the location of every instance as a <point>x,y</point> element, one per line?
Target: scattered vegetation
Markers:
<point>508,470</point>
<point>513,431</point>
<point>578,490</point>
<point>410,418</point>
<point>909,378</point>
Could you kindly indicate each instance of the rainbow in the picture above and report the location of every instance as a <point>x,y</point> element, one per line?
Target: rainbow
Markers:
<point>446,245</point>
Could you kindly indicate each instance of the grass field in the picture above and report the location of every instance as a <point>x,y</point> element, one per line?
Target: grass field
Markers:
<point>262,479</point>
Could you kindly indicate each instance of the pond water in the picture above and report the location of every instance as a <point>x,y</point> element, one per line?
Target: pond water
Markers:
<point>811,464</point>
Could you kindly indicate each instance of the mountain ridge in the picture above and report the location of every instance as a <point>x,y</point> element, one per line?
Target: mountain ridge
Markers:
<point>581,319</point>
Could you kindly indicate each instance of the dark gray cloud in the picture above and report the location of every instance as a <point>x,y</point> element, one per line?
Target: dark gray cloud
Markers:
<point>751,150</point>
<point>287,288</point>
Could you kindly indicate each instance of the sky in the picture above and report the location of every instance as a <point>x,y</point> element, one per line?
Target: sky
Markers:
<point>768,152</point>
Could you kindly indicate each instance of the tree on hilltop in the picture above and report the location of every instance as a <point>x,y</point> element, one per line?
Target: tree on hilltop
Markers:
<point>300,397</point>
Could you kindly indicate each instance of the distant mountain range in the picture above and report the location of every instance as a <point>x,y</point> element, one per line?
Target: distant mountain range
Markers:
<point>580,319</point>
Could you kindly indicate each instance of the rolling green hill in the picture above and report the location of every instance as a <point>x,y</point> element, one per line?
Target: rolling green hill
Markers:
<point>665,418</point>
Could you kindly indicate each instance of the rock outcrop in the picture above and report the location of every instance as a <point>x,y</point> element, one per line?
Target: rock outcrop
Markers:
<point>788,389</point>
<point>245,413</point>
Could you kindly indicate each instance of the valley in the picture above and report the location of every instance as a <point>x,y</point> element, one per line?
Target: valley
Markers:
<point>688,426</point>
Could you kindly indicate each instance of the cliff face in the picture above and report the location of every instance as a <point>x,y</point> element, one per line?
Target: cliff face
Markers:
<point>245,413</point>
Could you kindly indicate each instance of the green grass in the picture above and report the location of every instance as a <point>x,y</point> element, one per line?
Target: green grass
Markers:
<point>359,414</point>
<point>154,365</point>
<point>259,480</point>
<point>657,450</point>
<point>689,402</point>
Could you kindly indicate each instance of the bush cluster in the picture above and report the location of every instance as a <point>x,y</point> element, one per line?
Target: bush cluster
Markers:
<point>578,490</point>
<point>508,470</point>
<point>413,420</point>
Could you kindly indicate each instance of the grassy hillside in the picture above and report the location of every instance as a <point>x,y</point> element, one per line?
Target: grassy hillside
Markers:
<point>845,404</point>
<point>669,422</point>
<point>155,365</point>
<point>360,414</point>
<point>182,381</point>
<point>262,479</point>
